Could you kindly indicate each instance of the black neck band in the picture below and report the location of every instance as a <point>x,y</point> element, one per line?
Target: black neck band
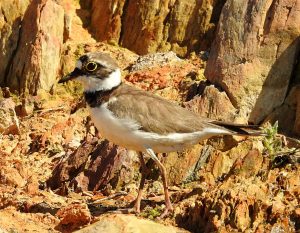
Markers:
<point>96,98</point>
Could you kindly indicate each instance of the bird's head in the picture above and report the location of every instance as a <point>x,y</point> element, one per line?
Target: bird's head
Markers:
<point>96,71</point>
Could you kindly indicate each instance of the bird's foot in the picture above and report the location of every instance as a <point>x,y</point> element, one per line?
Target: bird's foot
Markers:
<point>168,210</point>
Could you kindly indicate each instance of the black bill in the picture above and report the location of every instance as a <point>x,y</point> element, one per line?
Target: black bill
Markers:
<point>74,74</point>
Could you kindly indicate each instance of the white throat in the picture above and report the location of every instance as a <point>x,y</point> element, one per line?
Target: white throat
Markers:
<point>92,83</point>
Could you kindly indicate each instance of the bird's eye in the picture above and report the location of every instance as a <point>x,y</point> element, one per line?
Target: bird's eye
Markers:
<point>91,66</point>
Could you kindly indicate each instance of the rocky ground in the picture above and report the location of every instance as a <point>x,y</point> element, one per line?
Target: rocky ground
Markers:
<point>58,176</point>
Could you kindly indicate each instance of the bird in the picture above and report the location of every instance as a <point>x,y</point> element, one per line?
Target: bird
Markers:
<point>140,120</point>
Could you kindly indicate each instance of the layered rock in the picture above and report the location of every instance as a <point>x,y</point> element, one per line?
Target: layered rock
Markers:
<point>213,104</point>
<point>77,16</point>
<point>37,58</point>
<point>149,26</point>
<point>92,167</point>
<point>11,14</point>
<point>254,53</point>
<point>106,19</point>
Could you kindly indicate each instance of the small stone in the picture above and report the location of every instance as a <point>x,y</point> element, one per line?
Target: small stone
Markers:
<point>277,229</point>
<point>241,216</point>
<point>154,59</point>
<point>11,176</point>
<point>251,164</point>
<point>9,123</point>
<point>74,215</point>
<point>277,208</point>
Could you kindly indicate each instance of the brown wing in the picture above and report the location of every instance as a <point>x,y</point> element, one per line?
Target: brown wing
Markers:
<point>154,113</point>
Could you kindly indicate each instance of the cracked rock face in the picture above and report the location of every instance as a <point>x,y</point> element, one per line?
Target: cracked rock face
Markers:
<point>36,61</point>
<point>11,14</point>
<point>253,55</point>
<point>149,26</point>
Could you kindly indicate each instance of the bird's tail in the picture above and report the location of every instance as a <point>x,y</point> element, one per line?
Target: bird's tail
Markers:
<point>240,129</point>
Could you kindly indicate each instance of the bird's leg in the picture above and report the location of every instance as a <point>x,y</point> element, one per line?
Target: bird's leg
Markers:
<point>165,183</point>
<point>144,171</point>
<point>137,206</point>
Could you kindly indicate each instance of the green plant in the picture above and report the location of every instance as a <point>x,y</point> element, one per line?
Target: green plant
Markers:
<point>152,213</point>
<point>271,141</point>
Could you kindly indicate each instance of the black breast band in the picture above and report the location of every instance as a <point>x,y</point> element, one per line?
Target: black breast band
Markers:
<point>97,98</point>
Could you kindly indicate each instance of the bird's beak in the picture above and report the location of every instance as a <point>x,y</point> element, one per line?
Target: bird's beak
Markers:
<point>74,74</point>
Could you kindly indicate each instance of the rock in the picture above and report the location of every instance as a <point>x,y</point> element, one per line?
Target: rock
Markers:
<point>11,176</point>
<point>181,26</point>
<point>68,18</point>
<point>3,231</point>
<point>295,96</point>
<point>278,229</point>
<point>278,208</point>
<point>297,121</point>
<point>128,223</point>
<point>182,166</point>
<point>64,171</point>
<point>11,15</point>
<point>241,218</point>
<point>44,207</point>
<point>154,59</point>
<point>163,73</point>
<point>74,216</point>
<point>106,19</point>
<point>251,164</point>
<point>296,216</point>
<point>213,104</point>
<point>36,62</point>
<point>92,167</point>
<point>15,221</point>
<point>76,19</point>
<point>287,114</point>
<point>9,123</point>
<point>32,186</point>
<point>221,165</point>
<point>253,54</point>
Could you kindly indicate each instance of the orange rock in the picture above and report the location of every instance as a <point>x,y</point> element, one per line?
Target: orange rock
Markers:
<point>37,59</point>
<point>252,163</point>
<point>213,104</point>
<point>250,63</point>
<point>9,123</point>
<point>241,216</point>
<point>74,215</point>
<point>278,208</point>
<point>32,186</point>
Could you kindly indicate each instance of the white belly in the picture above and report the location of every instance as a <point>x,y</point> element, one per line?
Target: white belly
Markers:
<point>126,133</point>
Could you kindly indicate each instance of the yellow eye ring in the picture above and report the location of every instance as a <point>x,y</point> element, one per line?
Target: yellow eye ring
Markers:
<point>91,66</point>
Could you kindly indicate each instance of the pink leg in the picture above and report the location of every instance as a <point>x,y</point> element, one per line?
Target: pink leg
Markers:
<point>165,183</point>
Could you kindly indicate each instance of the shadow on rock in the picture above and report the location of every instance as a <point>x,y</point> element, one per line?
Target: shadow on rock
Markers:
<point>91,167</point>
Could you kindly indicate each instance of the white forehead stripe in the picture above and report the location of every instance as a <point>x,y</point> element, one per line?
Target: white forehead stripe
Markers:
<point>79,64</point>
<point>91,83</point>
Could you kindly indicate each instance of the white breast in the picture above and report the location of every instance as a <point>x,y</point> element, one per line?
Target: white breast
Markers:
<point>119,131</point>
<point>126,133</point>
